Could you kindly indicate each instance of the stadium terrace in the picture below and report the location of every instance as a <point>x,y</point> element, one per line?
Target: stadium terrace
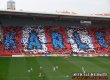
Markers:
<point>48,35</point>
<point>36,39</point>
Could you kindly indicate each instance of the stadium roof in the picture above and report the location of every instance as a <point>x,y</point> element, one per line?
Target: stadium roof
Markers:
<point>61,16</point>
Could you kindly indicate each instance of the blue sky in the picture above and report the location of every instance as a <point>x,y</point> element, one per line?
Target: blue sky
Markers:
<point>78,6</point>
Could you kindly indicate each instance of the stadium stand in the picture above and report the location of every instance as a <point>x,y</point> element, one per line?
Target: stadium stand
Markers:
<point>22,35</point>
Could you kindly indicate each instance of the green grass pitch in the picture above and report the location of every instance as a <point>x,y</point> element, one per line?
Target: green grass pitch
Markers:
<point>42,68</point>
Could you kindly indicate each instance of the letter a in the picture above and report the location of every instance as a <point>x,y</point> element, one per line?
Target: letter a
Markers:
<point>34,41</point>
